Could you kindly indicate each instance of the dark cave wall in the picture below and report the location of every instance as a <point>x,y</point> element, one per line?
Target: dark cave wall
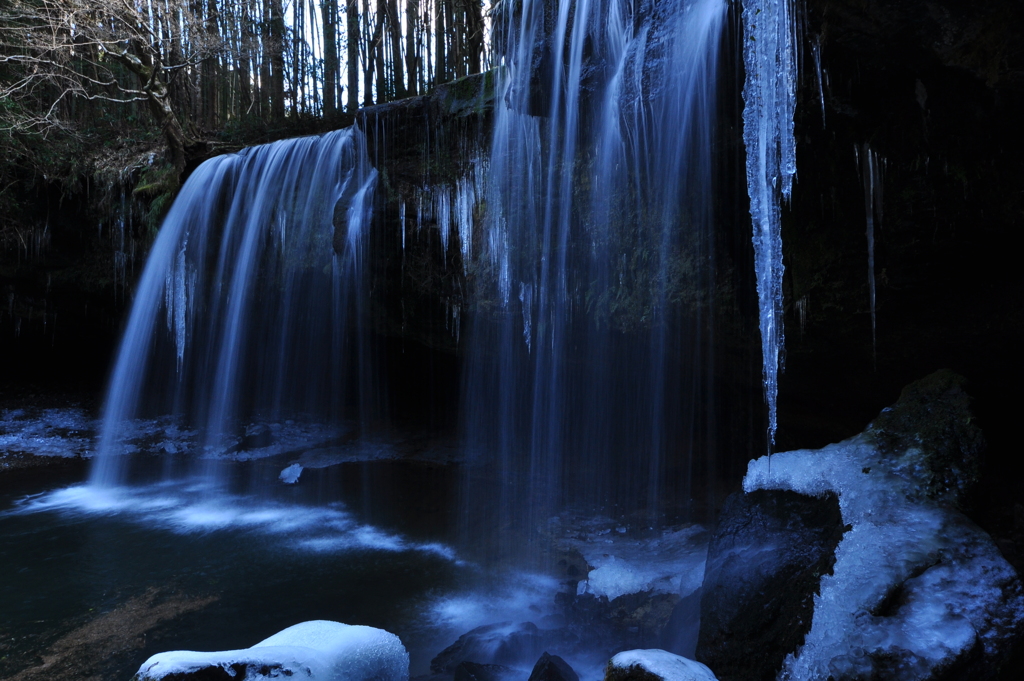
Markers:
<point>935,88</point>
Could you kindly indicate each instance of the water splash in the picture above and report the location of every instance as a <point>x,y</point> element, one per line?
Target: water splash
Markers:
<point>257,271</point>
<point>769,97</point>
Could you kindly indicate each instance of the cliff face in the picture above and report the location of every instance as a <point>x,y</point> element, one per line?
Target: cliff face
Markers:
<point>929,94</point>
<point>907,110</point>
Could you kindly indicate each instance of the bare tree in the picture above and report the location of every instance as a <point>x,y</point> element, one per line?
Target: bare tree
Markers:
<point>56,52</point>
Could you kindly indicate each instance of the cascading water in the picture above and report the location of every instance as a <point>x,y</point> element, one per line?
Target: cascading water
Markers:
<point>589,364</point>
<point>248,301</point>
<point>769,97</point>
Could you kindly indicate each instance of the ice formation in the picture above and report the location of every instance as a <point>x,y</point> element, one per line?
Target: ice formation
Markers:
<point>871,165</point>
<point>319,650</point>
<point>50,432</point>
<point>290,475</point>
<point>664,665</point>
<point>672,562</point>
<point>769,98</point>
<point>913,581</point>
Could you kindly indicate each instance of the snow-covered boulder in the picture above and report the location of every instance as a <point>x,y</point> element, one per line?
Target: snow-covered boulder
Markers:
<point>314,651</point>
<point>917,591</point>
<point>652,665</point>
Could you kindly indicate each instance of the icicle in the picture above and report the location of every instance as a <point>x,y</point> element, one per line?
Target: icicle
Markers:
<point>769,96</point>
<point>801,313</point>
<point>816,54</point>
<point>401,218</point>
<point>870,166</point>
<point>526,300</point>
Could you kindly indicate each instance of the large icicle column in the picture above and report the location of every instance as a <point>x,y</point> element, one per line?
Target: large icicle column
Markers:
<point>769,102</point>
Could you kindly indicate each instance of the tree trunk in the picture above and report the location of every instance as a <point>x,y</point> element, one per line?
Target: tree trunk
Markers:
<point>277,49</point>
<point>412,28</point>
<point>329,9</point>
<point>440,68</point>
<point>352,53</point>
<point>395,32</point>
<point>368,56</point>
<point>383,89</point>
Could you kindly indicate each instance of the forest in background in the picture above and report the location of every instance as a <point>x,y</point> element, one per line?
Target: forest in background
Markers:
<point>94,87</point>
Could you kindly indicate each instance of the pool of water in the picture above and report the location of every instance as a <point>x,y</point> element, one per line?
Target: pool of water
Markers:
<point>204,550</point>
<point>219,568</point>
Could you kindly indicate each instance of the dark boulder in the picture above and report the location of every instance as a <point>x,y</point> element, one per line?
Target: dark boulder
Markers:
<point>504,643</point>
<point>552,668</point>
<point>474,671</point>
<point>764,565</point>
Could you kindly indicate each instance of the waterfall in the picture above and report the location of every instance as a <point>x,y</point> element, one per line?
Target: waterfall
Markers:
<point>769,97</point>
<point>248,301</point>
<point>589,362</point>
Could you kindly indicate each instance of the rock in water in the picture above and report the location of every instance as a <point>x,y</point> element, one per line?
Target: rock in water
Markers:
<point>474,671</point>
<point>314,651</point>
<point>764,564</point>
<point>503,643</point>
<point>552,668</point>
<point>655,665</point>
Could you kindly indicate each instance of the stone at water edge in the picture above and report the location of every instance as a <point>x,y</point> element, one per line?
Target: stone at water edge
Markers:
<point>316,651</point>
<point>553,668</point>
<point>655,665</point>
<point>764,565</point>
<point>503,643</point>
<point>474,671</point>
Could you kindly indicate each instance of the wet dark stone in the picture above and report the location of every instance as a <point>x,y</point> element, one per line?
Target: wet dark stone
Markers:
<point>680,633</point>
<point>934,414</point>
<point>503,643</point>
<point>474,671</point>
<point>764,566</point>
<point>552,668</point>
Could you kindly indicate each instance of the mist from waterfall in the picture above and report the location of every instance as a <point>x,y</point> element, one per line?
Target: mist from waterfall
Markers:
<point>589,367</point>
<point>248,306</point>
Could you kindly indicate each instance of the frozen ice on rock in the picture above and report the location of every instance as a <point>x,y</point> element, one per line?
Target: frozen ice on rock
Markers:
<point>61,433</point>
<point>671,562</point>
<point>290,475</point>
<point>914,580</point>
<point>660,663</point>
<point>318,650</point>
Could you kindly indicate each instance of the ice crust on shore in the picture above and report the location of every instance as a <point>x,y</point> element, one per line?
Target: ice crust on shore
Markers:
<point>48,432</point>
<point>319,650</point>
<point>913,579</point>
<point>671,562</point>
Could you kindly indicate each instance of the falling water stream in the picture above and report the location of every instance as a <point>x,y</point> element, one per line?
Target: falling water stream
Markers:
<point>589,376</point>
<point>248,307</point>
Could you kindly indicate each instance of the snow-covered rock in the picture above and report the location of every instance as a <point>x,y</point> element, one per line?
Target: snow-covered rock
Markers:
<point>316,651</point>
<point>632,664</point>
<point>917,590</point>
<point>670,562</point>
